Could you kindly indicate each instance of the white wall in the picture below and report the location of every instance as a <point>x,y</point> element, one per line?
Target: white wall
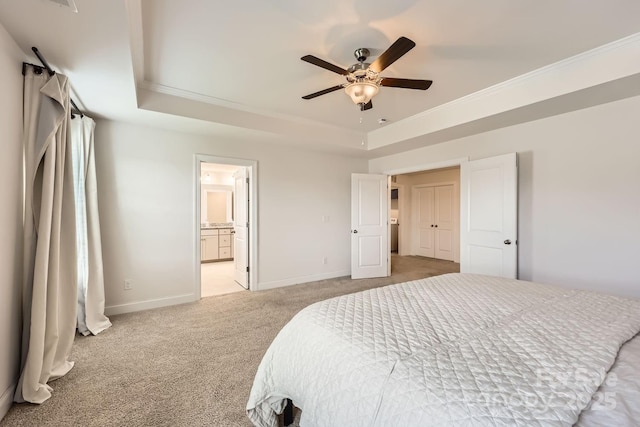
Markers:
<point>10,215</point>
<point>579,193</point>
<point>147,202</point>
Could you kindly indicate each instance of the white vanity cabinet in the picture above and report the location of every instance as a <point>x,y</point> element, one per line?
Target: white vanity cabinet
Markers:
<point>216,244</point>
<point>209,245</point>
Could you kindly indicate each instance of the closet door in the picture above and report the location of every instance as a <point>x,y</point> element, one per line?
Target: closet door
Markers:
<point>423,218</point>
<point>444,222</point>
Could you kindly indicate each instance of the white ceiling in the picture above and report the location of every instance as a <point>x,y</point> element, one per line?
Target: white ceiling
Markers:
<point>233,69</point>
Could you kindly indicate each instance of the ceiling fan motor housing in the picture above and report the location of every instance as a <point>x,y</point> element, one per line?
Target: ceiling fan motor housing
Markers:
<point>361,54</point>
<point>359,70</point>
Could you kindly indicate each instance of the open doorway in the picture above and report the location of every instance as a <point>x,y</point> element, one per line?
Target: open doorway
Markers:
<point>425,214</point>
<point>487,221</point>
<point>225,231</point>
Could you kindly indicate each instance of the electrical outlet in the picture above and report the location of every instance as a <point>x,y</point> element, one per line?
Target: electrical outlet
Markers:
<point>325,260</point>
<point>128,285</point>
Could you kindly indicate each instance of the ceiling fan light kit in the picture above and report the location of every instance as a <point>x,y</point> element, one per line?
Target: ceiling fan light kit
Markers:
<point>363,79</point>
<point>361,92</point>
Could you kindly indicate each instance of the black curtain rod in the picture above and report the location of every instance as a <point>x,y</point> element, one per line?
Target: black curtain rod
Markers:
<point>51,73</point>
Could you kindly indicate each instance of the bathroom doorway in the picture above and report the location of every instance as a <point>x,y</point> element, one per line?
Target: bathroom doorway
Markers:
<point>225,209</point>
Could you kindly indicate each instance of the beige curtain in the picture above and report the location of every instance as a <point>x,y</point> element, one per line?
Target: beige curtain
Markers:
<point>91,318</point>
<point>49,292</point>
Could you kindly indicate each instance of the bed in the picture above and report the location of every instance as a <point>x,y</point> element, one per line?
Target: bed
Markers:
<point>455,350</point>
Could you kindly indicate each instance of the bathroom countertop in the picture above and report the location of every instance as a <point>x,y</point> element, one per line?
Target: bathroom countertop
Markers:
<point>215,227</point>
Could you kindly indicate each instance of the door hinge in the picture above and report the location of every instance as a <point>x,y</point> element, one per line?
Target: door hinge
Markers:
<point>247,269</point>
<point>247,180</point>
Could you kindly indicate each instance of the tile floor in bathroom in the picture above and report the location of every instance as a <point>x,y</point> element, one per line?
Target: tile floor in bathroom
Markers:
<point>217,278</point>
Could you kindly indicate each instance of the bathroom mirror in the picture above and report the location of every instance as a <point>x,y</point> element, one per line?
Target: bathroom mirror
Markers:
<point>217,204</point>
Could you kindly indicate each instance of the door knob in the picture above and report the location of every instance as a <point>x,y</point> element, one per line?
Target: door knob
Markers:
<point>355,231</point>
<point>431,225</point>
<point>436,226</point>
<point>507,242</point>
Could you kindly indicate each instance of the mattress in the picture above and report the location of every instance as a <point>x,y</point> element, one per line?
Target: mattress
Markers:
<point>456,349</point>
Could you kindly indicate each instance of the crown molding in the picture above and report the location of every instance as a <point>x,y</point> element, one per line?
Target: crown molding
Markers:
<point>212,100</point>
<point>580,59</point>
<point>163,99</point>
<point>612,61</point>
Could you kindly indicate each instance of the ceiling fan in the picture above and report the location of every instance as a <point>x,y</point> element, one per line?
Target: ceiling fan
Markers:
<point>363,78</point>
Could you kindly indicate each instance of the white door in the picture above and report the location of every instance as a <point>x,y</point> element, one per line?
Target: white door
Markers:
<point>241,227</point>
<point>444,222</point>
<point>488,228</point>
<point>434,221</point>
<point>369,226</point>
<point>422,239</point>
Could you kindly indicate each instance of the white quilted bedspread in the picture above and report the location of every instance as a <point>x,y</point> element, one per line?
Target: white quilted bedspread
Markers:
<point>451,350</point>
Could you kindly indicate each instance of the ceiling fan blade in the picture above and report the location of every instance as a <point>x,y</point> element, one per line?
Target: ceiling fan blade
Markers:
<point>323,92</point>
<point>324,64</point>
<point>367,106</point>
<point>391,55</point>
<point>406,83</point>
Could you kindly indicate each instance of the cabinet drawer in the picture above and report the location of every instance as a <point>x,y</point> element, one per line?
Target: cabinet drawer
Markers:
<point>225,231</point>
<point>209,232</point>
<point>225,252</point>
<point>225,240</point>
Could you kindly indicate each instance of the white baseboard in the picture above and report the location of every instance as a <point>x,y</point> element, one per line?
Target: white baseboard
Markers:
<point>6,400</point>
<point>148,304</point>
<point>182,299</point>
<point>302,279</point>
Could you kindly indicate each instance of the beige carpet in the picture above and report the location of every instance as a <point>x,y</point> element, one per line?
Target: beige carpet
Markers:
<point>187,365</point>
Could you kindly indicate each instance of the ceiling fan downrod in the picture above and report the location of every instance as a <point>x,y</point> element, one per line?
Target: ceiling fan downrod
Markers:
<point>361,54</point>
